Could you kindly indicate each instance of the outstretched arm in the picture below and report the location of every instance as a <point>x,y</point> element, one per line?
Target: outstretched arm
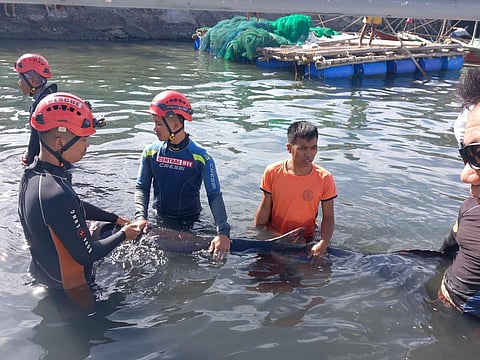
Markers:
<point>264,211</point>
<point>221,242</point>
<point>326,228</point>
<point>142,187</point>
<point>220,245</point>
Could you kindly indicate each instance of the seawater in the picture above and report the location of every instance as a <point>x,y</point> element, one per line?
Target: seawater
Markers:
<point>388,142</point>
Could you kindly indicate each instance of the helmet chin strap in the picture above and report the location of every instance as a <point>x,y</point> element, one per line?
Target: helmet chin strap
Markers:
<point>172,133</point>
<point>58,154</point>
<point>33,89</point>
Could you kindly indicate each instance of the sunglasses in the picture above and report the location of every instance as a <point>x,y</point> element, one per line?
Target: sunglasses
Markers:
<point>470,154</point>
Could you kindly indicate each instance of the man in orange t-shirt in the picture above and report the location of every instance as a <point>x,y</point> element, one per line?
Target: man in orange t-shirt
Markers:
<point>293,190</point>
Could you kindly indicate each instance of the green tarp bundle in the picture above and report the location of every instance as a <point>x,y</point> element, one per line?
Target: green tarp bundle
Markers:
<point>238,38</point>
<point>294,28</point>
<point>323,32</point>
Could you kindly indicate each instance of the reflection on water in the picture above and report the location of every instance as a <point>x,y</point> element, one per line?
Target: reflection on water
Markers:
<point>389,144</point>
<point>63,324</point>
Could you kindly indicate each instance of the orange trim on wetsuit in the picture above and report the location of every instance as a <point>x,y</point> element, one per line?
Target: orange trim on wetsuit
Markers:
<point>54,221</point>
<point>73,275</point>
<point>72,272</point>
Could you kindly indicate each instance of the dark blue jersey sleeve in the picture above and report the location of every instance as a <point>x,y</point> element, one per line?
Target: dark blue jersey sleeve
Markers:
<point>217,206</point>
<point>215,197</point>
<point>143,185</point>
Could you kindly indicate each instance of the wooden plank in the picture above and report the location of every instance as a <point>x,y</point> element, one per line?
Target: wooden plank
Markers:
<point>370,54</point>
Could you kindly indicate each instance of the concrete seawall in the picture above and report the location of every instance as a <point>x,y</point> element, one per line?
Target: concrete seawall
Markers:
<point>32,22</point>
<point>96,23</point>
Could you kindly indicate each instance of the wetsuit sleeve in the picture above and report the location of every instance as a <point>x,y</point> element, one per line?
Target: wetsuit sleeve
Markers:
<point>33,148</point>
<point>93,212</point>
<point>66,219</point>
<point>142,187</point>
<point>217,206</point>
<point>215,197</point>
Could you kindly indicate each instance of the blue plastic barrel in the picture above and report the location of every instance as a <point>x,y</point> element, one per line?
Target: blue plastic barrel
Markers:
<point>452,63</point>
<point>312,71</point>
<point>341,71</point>
<point>274,64</point>
<point>431,64</point>
<point>371,69</point>
<point>402,66</point>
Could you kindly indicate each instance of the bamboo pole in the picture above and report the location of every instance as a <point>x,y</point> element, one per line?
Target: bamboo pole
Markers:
<point>408,51</point>
<point>474,34</point>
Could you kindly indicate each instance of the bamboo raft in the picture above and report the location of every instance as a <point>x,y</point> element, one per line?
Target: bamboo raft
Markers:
<point>337,53</point>
<point>334,55</point>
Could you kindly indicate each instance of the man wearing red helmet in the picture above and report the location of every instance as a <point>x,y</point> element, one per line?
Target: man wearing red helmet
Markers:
<point>33,71</point>
<point>53,217</point>
<point>177,166</point>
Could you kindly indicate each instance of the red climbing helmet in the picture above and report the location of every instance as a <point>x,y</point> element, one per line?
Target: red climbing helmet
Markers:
<point>35,62</point>
<point>64,110</point>
<point>171,102</point>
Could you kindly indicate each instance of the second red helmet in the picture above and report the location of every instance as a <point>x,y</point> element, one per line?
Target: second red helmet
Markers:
<point>64,110</point>
<point>171,102</point>
<point>35,62</point>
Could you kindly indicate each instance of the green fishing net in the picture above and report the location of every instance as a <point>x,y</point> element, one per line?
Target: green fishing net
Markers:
<point>294,28</point>
<point>239,38</point>
<point>323,32</point>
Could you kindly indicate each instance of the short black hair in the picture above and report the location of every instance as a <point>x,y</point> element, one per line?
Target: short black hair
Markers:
<point>469,88</point>
<point>302,130</point>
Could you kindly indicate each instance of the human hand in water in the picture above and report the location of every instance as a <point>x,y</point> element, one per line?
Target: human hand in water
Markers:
<point>219,246</point>
<point>133,229</point>
<point>122,221</point>
<point>317,251</point>
<point>144,225</point>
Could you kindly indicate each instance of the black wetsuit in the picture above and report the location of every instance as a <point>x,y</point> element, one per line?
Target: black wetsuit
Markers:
<point>462,278</point>
<point>54,221</point>
<point>33,148</point>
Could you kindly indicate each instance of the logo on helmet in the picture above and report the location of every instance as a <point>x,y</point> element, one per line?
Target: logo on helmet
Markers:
<point>65,100</point>
<point>63,110</point>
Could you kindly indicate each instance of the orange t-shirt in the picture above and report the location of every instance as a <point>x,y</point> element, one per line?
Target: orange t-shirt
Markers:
<point>296,199</point>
